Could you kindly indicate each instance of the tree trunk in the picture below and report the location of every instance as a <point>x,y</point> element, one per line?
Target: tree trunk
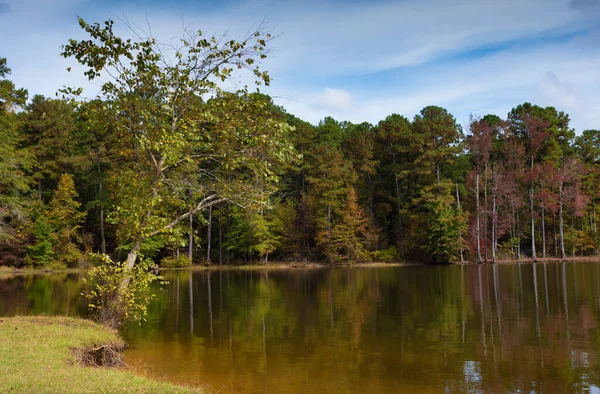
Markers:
<point>220,242</point>
<point>543,232</point>
<point>594,209</point>
<point>485,215</point>
<point>398,205</point>
<point>129,263</point>
<point>555,235</point>
<point>532,212</point>
<point>133,254</point>
<point>494,215</point>
<point>328,223</point>
<point>518,236</point>
<point>370,183</point>
<point>191,239</point>
<point>572,235</point>
<point>561,223</point>
<point>102,236</point>
<point>594,226</point>
<point>512,231</point>
<point>228,235</point>
<point>478,214</point>
<point>460,232</point>
<point>209,235</point>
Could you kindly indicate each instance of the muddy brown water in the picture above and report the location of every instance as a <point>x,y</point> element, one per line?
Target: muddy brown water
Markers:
<point>418,329</point>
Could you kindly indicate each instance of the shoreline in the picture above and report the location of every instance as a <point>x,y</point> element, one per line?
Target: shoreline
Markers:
<point>586,259</point>
<point>283,265</point>
<point>279,265</point>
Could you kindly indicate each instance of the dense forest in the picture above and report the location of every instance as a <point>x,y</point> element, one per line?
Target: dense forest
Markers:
<point>276,187</point>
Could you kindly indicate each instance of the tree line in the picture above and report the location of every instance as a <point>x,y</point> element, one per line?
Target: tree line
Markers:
<point>167,166</point>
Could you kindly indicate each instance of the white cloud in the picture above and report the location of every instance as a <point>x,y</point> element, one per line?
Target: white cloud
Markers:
<point>563,93</point>
<point>361,61</point>
<point>493,84</point>
<point>333,100</point>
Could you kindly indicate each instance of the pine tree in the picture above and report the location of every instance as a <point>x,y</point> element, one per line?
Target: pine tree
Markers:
<point>65,217</point>
<point>266,236</point>
<point>41,252</point>
<point>14,161</point>
<point>349,234</point>
<point>445,225</point>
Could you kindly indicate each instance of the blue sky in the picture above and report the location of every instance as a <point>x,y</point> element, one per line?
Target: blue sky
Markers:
<point>358,60</point>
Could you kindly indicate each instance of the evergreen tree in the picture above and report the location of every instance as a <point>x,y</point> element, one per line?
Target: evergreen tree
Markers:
<point>41,252</point>
<point>65,217</point>
<point>266,234</point>
<point>349,235</point>
<point>48,127</point>
<point>445,226</point>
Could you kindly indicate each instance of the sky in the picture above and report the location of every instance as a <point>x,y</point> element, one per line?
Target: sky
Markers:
<point>356,60</point>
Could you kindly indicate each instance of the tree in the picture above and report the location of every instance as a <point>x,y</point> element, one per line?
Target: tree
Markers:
<point>48,128</point>
<point>546,135</point>
<point>266,234</point>
<point>10,96</point>
<point>349,234</point>
<point>155,102</point>
<point>14,160</point>
<point>588,148</point>
<point>435,207</point>
<point>41,252</point>
<point>440,137</point>
<point>480,145</point>
<point>397,147</point>
<point>358,146</point>
<point>94,150</point>
<point>445,223</point>
<point>329,176</point>
<point>66,219</point>
<point>568,180</point>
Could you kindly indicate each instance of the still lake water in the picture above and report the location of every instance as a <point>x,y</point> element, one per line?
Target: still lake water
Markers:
<point>417,329</point>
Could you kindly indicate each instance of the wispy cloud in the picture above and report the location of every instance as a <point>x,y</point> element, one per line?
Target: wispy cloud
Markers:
<point>361,60</point>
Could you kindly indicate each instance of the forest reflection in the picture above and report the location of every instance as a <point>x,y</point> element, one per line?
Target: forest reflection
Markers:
<point>492,328</point>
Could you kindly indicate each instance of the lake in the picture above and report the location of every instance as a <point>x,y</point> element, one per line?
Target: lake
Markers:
<point>427,329</point>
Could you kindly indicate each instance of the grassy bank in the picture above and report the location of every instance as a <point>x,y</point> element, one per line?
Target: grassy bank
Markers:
<point>39,355</point>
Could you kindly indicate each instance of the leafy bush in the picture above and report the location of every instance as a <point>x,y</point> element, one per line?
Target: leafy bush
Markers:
<point>176,262</point>
<point>506,250</point>
<point>117,294</point>
<point>388,255</point>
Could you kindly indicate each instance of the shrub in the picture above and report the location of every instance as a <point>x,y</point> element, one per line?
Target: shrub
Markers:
<point>388,255</point>
<point>175,262</point>
<point>117,294</point>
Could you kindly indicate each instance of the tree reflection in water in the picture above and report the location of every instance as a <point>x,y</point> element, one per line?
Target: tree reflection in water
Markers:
<point>491,328</point>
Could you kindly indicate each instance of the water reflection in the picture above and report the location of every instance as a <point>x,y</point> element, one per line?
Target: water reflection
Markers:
<point>42,294</point>
<point>427,329</point>
<point>479,328</point>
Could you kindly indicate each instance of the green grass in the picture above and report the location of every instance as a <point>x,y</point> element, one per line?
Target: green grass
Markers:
<point>36,357</point>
